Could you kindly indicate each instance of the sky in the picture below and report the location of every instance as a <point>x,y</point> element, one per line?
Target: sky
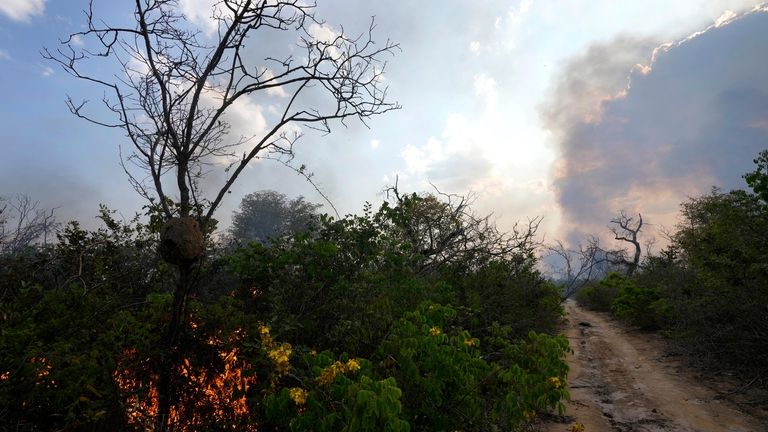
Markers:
<point>566,109</point>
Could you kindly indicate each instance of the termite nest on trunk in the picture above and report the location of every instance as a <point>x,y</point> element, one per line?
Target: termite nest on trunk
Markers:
<point>181,240</point>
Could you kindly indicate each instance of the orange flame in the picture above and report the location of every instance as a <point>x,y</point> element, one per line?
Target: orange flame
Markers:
<point>214,396</point>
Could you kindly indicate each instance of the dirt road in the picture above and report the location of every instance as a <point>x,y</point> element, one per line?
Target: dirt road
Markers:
<point>621,380</point>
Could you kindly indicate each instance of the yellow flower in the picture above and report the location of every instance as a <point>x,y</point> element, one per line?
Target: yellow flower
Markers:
<point>529,416</point>
<point>470,342</point>
<point>298,395</point>
<point>435,331</point>
<point>576,427</point>
<point>555,382</point>
<point>328,375</point>
<point>266,339</point>
<point>353,365</point>
<point>281,357</point>
<point>313,353</point>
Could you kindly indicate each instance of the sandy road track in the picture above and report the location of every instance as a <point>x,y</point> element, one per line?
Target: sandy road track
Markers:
<point>621,380</point>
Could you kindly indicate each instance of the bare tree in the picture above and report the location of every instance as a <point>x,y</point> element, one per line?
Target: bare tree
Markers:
<point>174,85</point>
<point>577,267</point>
<point>626,229</point>
<point>23,223</point>
<point>443,229</point>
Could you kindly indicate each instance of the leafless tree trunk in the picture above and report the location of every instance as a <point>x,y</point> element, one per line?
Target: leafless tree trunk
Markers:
<point>171,87</point>
<point>626,229</point>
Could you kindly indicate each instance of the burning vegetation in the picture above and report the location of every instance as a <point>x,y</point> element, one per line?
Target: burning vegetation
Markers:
<point>209,396</point>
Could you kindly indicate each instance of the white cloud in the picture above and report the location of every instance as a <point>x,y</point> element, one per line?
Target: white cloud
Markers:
<point>725,18</point>
<point>136,68</point>
<point>322,32</point>
<point>46,71</point>
<point>22,10</point>
<point>490,159</point>
<point>77,40</point>
<point>516,17</point>
<point>246,120</point>
<point>63,19</point>
<point>201,13</point>
<point>375,143</point>
<point>419,160</point>
<point>325,33</point>
<point>485,89</point>
<point>496,31</point>
<point>273,91</point>
<point>246,117</point>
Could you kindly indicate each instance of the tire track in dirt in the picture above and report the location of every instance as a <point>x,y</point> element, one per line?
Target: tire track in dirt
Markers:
<point>622,381</point>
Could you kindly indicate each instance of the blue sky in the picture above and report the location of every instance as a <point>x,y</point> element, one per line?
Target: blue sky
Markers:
<point>570,109</point>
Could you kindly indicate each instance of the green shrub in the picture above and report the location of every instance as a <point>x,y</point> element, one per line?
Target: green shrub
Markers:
<point>510,293</point>
<point>450,382</point>
<point>641,306</point>
<point>81,328</point>
<point>439,368</point>
<point>600,296</point>
<point>335,395</point>
<point>531,373</point>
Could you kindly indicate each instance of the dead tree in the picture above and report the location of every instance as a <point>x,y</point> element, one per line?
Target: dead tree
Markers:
<point>169,88</point>
<point>23,224</point>
<point>443,230</point>
<point>578,267</point>
<point>626,229</point>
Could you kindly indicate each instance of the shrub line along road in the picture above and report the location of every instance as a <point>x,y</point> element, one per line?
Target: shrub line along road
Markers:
<point>621,380</point>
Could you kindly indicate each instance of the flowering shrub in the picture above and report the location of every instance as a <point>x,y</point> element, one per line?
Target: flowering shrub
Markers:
<point>335,395</point>
<point>448,384</point>
<point>440,374</point>
<point>534,374</point>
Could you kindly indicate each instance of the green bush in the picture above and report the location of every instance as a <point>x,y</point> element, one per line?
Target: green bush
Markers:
<point>641,306</point>
<point>511,293</point>
<point>600,296</point>
<point>335,395</point>
<point>531,372</point>
<point>713,281</point>
<point>450,381</point>
<point>439,368</point>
